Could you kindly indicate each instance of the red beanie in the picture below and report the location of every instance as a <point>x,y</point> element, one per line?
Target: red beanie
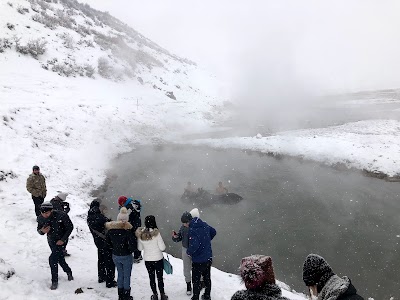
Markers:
<point>122,200</point>
<point>256,271</point>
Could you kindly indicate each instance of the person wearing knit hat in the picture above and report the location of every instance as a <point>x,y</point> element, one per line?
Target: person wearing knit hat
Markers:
<point>59,202</point>
<point>135,220</point>
<point>183,236</point>
<point>122,241</point>
<point>195,213</point>
<point>152,244</point>
<point>200,250</point>
<point>58,227</point>
<point>324,283</point>
<point>36,186</point>
<point>258,275</point>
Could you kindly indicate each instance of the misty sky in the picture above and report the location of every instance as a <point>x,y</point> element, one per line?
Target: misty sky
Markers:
<point>303,46</point>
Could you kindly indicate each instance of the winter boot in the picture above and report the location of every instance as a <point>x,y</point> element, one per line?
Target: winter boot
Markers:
<point>154,297</point>
<point>54,285</point>
<point>111,284</point>
<point>188,288</point>
<point>70,277</point>
<point>164,297</point>
<point>120,294</point>
<point>127,295</point>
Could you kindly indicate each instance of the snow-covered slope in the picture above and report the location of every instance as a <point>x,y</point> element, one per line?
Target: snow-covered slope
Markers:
<point>72,127</point>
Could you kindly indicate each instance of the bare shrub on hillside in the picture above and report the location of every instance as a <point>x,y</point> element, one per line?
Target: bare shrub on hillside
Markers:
<point>10,4</point>
<point>22,10</point>
<point>89,70</point>
<point>83,30</point>
<point>43,5</point>
<point>47,20</point>
<point>104,68</point>
<point>37,47</point>
<point>87,43</point>
<point>5,43</point>
<point>10,26</point>
<point>64,19</point>
<point>68,40</point>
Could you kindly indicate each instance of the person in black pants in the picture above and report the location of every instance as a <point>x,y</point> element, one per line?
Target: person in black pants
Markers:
<point>200,236</point>
<point>36,186</point>
<point>105,265</point>
<point>58,227</point>
<point>152,244</point>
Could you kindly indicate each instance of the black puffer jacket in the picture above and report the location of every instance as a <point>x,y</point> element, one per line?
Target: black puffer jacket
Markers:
<point>121,238</point>
<point>60,226</point>
<point>267,292</point>
<point>97,221</point>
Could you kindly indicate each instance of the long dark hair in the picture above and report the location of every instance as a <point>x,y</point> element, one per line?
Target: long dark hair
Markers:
<point>150,222</point>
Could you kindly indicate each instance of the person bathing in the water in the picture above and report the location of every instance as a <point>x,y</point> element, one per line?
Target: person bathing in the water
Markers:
<point>220,190</point>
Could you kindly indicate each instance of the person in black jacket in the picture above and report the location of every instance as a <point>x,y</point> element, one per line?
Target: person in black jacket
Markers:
<point>134,219</point>
<point>322,282</point>
<point>122,241</point>
<point>105,265</point>
<point>60,204</point>
<point>58,227</point>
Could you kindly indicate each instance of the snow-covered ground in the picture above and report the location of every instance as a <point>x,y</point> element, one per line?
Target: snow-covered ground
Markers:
<point>72,128</point>
<point>372,145</point>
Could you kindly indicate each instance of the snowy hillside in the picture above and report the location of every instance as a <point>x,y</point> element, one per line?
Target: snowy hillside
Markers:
<point>70,103</point>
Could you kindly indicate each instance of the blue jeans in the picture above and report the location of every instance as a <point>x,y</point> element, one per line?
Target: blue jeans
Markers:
<point>124,269</point>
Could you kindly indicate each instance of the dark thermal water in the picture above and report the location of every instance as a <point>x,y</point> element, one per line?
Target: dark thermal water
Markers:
<point>290,209</point>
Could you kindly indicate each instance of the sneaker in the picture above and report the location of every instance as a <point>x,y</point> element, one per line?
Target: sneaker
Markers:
<point>54,285</point>
<point>204,297</point>
<point>154,297</point>
<point>70,277</point>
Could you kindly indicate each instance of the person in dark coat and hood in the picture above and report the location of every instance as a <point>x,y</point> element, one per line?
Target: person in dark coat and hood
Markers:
<point>105,265</point>
<point>324,284</point>
<point>200,236</point>
<point>134,219</point>
<point>258,275</point>
<point>58,227</point>
<point>59,202</point>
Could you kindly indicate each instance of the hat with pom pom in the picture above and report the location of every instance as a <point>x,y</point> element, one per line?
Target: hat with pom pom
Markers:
<point>123,215</point>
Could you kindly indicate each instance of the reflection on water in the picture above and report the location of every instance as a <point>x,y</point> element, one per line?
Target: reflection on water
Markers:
<point>290,209</point>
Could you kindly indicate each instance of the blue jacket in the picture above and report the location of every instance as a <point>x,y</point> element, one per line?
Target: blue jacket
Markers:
<point>200,236</point>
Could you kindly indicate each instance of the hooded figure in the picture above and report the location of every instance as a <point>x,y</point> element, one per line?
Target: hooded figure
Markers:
<point>105,265</point>
<point>258,275</point>
<point>59,202</point>
<point>200,250</point>
<point>319,277</point>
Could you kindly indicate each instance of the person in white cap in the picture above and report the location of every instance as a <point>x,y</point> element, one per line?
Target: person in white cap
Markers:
<point>60,204</point>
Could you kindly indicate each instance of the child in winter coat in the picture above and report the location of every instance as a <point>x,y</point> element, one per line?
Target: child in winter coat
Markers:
<point>258,276</point>
<point>121,240</point>
<point>150,240</point>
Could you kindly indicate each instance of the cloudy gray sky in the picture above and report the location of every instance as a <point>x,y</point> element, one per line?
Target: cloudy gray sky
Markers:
<point>307,45</point>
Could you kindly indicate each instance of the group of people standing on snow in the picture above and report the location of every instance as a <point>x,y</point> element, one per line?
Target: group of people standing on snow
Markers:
<point>120,243</point>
